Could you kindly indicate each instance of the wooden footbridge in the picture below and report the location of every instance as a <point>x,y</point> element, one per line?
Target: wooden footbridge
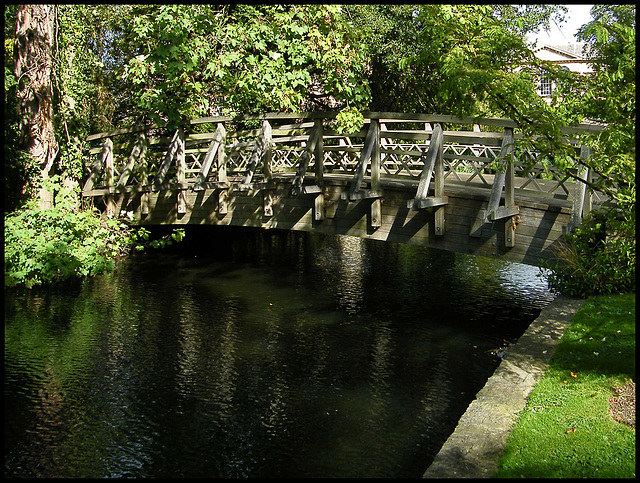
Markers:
<point>402,178</point>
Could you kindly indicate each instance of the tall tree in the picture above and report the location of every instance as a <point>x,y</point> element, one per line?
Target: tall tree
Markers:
<point>33,51</point>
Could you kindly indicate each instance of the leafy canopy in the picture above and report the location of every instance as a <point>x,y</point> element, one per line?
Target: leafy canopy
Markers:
<point>200,60</point>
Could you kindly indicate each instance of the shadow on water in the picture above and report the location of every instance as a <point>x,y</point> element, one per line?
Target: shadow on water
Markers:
<point>252,353</point>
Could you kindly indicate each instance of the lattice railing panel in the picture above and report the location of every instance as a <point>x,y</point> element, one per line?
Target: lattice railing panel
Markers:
<point>400,157</point>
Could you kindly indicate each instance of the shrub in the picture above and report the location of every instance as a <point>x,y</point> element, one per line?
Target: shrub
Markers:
<point>599,257</point>
<point>47,245</point>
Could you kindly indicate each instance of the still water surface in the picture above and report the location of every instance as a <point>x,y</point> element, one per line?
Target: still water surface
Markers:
<point>257,354</point>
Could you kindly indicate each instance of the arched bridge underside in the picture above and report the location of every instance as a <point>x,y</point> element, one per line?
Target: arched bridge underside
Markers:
<point>402,178</point>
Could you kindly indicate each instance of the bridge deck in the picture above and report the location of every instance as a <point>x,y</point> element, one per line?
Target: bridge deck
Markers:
<point>541,221</point>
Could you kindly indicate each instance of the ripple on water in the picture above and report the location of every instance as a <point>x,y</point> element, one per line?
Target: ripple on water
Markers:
<point>319,356</point>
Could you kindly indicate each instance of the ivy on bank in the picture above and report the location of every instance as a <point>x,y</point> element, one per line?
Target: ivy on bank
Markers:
<point>49,245</point>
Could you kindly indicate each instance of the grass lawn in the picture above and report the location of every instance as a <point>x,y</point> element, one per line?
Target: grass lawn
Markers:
<point>567,429</point>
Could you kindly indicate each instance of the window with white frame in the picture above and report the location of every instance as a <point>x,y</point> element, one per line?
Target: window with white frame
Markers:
<point>546,84</point>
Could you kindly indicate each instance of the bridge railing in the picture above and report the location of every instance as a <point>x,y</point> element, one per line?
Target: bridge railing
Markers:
<point>246,152</point>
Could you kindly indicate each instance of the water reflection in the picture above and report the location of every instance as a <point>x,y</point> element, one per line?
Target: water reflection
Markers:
<point>274,354</point>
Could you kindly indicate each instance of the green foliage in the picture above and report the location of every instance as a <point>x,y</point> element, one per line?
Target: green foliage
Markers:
<point>47,245</point>
<point>598,258</point>
<point>566,429</point>
<point>448,58</point>
<point>194,60</point>
<point>349,120</point>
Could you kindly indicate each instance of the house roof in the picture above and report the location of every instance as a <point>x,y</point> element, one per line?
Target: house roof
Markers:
<point>571,51</point>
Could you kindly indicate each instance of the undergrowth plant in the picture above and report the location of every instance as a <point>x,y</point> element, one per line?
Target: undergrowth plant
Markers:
<point>598,258</point>
<point>48,245</point>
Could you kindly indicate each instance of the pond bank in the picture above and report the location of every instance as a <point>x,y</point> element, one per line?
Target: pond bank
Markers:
<point>473,449</point>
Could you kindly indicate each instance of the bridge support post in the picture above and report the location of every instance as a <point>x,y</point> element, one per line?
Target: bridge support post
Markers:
<point>223,194</point>
<point>502,180</point>
<point>110,202</point>
<point>433,168</point>
<point>509,200</point>
<point>376,204</point>
<point>318,204</point>
<point>267,202</point>
<point>318,207</point>
<point>439,192</point>
<point>582,201</point>
<point>180,172</point>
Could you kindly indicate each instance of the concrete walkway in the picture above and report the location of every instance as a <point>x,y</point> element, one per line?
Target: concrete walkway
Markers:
<point>473,449</point>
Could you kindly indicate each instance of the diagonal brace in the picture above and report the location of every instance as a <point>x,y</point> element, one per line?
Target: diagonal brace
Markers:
<point>298,181</point>
<point>433,159</point>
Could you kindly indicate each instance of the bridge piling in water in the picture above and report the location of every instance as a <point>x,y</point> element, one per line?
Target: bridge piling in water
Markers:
<point>401,178</point>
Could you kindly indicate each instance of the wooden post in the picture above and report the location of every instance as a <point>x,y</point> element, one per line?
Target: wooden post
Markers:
<point>111,207</point>
<point>180,172</point>
<point>268,151</point>
<point>376,204</point>
<point>582,200</point>
<point>267,194</point>
<point>502,179</point>
<point>144,174</point>
<point>319,154</point>
<point>318,204</point>
<point>509,200</point>
<point>223,194</point>
<point>433,164</point>
<point>433,153</point>
<point>439,186</point>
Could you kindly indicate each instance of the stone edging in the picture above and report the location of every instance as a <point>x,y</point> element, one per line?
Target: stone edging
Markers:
<point>475,446</point>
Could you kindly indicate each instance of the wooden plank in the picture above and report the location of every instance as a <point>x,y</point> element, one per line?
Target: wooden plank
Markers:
<point>211,185</point>
<point>417,117</point>
<point>116,132</point>
<point>503,212</point>
<point>362,194</point>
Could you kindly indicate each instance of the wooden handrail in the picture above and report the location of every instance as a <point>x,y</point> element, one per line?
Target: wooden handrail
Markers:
<point>368,115</point>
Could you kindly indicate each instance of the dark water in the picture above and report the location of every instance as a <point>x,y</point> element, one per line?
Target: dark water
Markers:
<point>257,354</point>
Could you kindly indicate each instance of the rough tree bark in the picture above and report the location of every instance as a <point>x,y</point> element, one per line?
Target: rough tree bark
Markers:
<point>33,68</point>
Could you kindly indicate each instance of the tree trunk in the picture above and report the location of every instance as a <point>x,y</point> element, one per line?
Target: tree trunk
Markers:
<point>33,69</point>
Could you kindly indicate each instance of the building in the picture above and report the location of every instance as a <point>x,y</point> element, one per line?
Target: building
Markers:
<point>568,57</point>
